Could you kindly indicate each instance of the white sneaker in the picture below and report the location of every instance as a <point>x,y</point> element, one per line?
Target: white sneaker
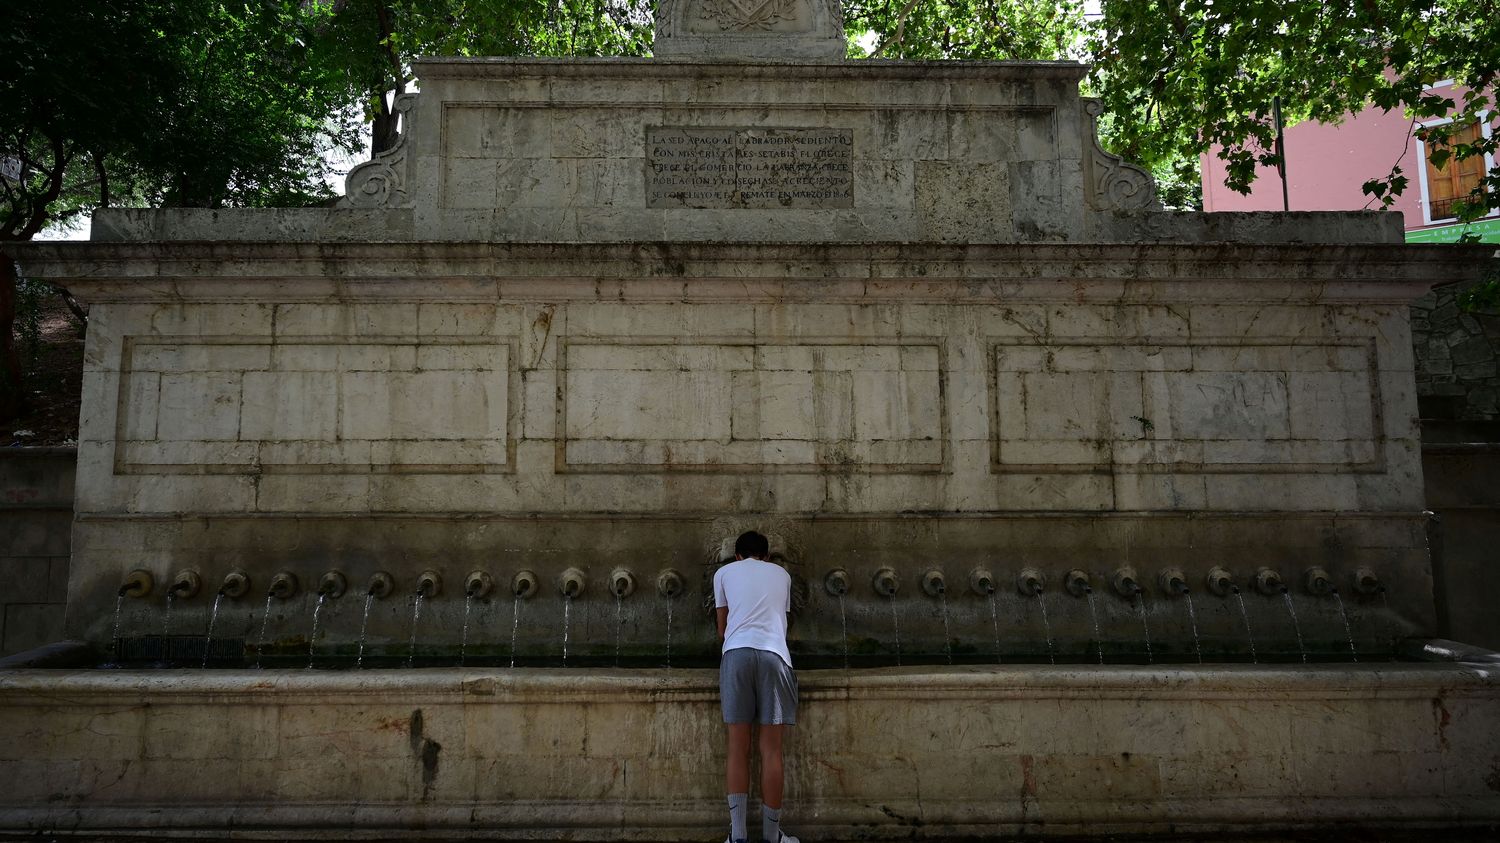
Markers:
<point>787,838</point>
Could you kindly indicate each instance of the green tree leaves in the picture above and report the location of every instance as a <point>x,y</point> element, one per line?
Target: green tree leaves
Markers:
<point>1182,76</point>
<point>964,29</point>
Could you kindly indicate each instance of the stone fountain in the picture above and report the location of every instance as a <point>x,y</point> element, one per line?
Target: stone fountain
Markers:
<point>590,319</point>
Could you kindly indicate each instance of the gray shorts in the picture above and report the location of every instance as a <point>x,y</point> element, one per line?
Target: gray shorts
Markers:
<point>756,686</point>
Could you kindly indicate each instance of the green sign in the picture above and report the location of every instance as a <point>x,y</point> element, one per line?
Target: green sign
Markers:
<point>1487,230</point>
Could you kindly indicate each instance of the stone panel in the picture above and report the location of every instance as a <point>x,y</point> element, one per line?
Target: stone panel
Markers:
<point>787,408</point>
<point>1272,406</point>
<point>919,754</point>
<point>378,404</point>
<point>749,167</point>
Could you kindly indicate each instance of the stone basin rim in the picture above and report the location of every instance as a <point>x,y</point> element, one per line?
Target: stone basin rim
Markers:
<point>1387,680</point>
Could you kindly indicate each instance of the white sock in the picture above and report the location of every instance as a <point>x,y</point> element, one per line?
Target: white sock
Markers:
<point>738,807</point>
<point>770,824</point>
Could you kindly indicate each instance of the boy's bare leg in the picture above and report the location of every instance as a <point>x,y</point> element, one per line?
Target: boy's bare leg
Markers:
<point>770,782</point>
<point>737,766</point>
<point>770,765</point>
<point>737,779</point>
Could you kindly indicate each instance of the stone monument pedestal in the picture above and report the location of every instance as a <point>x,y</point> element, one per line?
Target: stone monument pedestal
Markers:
<point>907,318</point>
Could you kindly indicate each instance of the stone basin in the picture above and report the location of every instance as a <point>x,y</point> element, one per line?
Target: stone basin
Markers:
<point>599,754</point>
<point>543,336</point>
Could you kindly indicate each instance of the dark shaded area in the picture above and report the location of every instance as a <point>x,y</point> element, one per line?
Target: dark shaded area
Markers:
<point>1434,834</point>
<point>1457,359</point>
<point>52,379</point>
<point>1461,470</point>
<point>186,651</point>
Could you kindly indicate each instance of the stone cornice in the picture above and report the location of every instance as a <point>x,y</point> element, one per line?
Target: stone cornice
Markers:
<point>467,271</point>
<point>634,68</point>
<point>551,686</point>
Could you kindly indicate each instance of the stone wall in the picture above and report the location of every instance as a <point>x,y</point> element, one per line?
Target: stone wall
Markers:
<point>307,406</point>
<point>563,323</point>
<point>1457,356</point>
<point>1462,490</point>
<point>36,523</point>
<point>900,754</point>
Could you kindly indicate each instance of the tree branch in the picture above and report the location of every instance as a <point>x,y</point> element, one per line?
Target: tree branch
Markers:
<point>61,155</point>
<point>103,180</point>
<point>895,39</point>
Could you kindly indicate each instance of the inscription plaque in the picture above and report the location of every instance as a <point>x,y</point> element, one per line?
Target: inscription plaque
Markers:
<point>700,167</point>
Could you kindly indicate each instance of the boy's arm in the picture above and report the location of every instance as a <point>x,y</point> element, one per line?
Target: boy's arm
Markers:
<point>723,615</point>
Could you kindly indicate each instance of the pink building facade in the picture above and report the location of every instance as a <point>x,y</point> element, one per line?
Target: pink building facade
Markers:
<point>1327,164</point>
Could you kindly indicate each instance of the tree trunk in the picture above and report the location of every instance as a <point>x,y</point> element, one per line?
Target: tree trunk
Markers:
<point>12,393</point>
<point>386,128</point>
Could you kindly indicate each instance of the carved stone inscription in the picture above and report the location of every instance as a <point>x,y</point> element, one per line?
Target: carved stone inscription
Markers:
<point>749,168</point>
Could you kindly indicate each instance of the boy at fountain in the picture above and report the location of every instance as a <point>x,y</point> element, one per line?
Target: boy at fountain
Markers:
<point>756,685</point>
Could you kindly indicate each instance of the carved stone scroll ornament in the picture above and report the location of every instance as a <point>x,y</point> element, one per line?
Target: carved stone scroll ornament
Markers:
<point>732,15</point>
<point>1113,184</point>
<point>750,30</point>
<point>382,182</point>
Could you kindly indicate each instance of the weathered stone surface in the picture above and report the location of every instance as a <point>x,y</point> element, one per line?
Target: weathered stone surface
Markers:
<point>1133,750</point>
<point>899,314</point>
<point>36,523</point>
<point>729,29</point>
<point>324,534</point>
<point>517,150</point>
<point>1457,356</point>
<point>483,381</point>
<point>749,168</point>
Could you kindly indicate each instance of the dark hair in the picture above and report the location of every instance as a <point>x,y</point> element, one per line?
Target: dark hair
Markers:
<point>752,545</point>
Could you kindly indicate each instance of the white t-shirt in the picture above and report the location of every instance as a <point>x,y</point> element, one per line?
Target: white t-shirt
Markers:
<point>759,595</point>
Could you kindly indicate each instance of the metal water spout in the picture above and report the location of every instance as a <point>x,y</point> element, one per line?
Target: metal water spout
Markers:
<point>1030,582</point>
<point>1127,583</point>
<point>137,583</point>
<point>1172,581</point>
<point>621,583</point>
<point>669,583</point>
<point>478,584</point>
<point>1366,583</point>
<point>429,584</point>
<point>571,583</point>
<point>283,585</point>
<point>524,585</point>
<point>185,584</point>
<point>982,582</point>
<point>886,583</point>
<point>1318,582</point>
<point>1269,583</point>
<point>333,584</point>
<point>934,584</point>
<point>837,582</point>
<point>236,584</point>
<point>381,585</point>
<point>1076,582</point>
<point>1220,582</point>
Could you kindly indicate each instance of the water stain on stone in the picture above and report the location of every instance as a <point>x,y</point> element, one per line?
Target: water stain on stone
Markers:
<point>426,751</point>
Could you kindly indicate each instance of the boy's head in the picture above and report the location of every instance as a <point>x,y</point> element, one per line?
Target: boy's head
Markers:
<point>752,545</point>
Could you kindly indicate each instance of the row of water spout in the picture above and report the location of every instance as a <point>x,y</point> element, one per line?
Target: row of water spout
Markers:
<point>1125,581</point>
<point>1030,582</point>
<point>571,584</point>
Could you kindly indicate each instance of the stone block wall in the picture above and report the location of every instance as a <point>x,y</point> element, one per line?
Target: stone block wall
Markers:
<point>1461,489</point>
<point>921,754</point>
<point>36,522</point>
<point>1458,358</point>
